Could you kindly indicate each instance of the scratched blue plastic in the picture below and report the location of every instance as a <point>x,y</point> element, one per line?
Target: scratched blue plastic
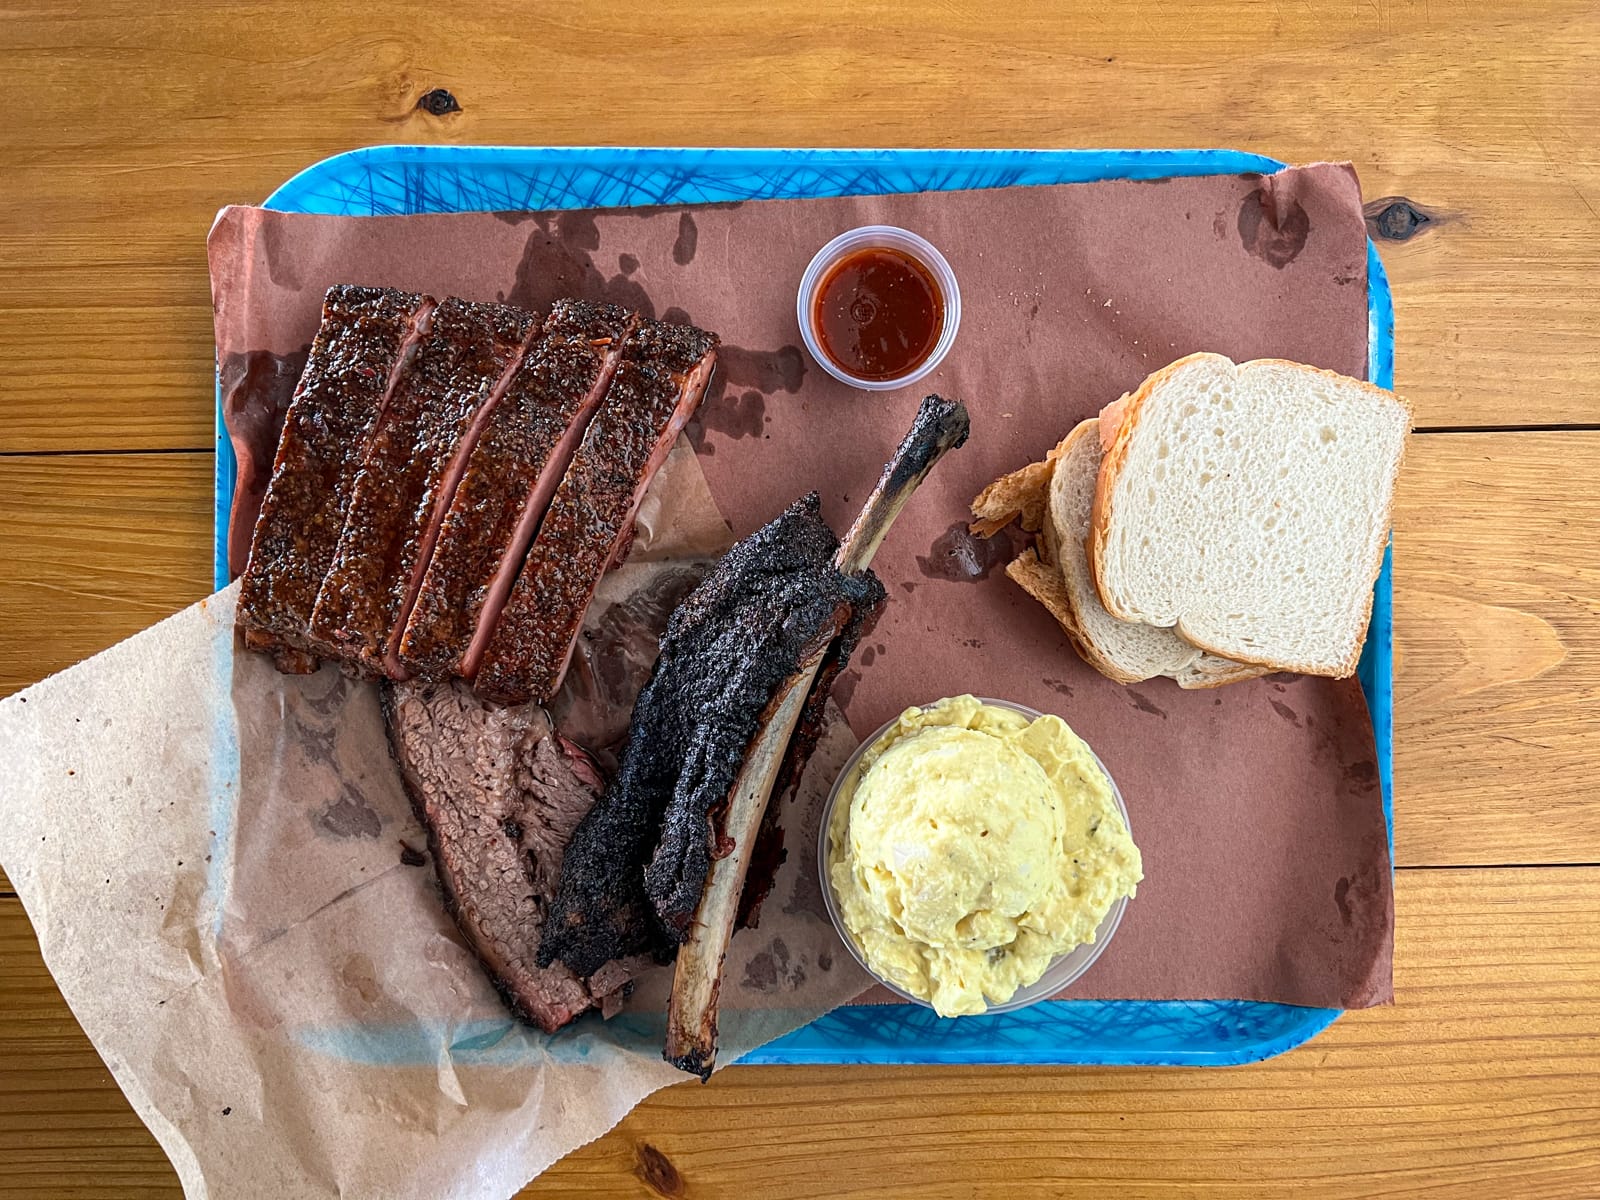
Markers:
<point>385,180</point>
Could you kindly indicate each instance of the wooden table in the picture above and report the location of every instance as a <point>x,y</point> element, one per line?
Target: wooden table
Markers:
<point>132,122</point>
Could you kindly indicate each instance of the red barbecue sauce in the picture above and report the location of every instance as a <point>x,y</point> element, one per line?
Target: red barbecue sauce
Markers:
<point>878,313</point>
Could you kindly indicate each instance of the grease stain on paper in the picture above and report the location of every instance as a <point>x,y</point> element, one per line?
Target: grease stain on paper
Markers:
<point>767,969</point>
<point>557,262</point>
<point>1145,705</point>
<point>1363,774</point>
<point>688,240</point>
<point>845,687</point>
<point>350,816</point>
<point>1341,898</point>
<point>1272,230</point>
<point>256,389</point>
<point>960,556</point>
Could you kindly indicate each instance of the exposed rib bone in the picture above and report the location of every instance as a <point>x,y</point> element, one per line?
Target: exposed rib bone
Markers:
<point>940,426</point>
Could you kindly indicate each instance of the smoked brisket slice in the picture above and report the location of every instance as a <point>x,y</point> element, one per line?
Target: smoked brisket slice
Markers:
<point>499,793</point>
<point>636,865</point>
<point>358,356</point>
<point>408,475</point>
<point>658,385</point>
<point>513,471</point>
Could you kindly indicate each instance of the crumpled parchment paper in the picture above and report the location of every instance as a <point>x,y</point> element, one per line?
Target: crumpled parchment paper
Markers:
<point>210,853</point>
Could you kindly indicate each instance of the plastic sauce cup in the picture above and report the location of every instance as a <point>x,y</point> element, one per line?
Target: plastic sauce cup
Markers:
<point>1062,971</point>
<point>870,237</point>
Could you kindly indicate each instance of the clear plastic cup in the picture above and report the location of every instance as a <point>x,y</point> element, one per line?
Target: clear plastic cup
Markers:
<point>893,238</point>
<point>1061,972</point>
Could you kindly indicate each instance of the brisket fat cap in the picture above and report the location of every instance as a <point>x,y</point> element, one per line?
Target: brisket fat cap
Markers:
<point>636,866</point>
<point>499,793</point>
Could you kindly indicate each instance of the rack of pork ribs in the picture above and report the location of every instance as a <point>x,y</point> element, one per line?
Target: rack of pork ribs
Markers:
<point>453,479</point>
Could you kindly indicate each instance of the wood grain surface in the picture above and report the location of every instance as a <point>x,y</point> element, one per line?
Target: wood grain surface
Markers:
<point>1476,129</point>
<point>1497,644</point>
<point>147,117</point>
<point>1486,1070</point>
<point>94,548</point>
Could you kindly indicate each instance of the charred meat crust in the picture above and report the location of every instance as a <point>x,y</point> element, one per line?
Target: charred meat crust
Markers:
<point>636,865</point>
<point>697,1061</point>
<point>352,363</point>
<point>391,516</point>
<point>400,526</point>
<point>792,602</point>
<point>543,399</point>
<point>287,658</point>
<point>658,384</point>
<point>940,426</point>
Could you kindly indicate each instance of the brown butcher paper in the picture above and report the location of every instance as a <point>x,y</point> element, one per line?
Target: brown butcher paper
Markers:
<point>1257,805</point>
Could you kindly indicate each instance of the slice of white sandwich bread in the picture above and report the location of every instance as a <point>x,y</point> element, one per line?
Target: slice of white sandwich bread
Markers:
<point>1246,507</point>
<point>1055,498</point>
<point>1126,651</point>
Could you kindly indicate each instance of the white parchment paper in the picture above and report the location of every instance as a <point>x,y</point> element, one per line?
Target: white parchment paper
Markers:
<point>210,853</point>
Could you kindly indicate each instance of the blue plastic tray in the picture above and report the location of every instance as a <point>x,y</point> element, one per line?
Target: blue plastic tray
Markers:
<point>385,180</point>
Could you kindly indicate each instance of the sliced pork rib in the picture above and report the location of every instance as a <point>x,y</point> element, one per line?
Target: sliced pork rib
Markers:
<point>637,864</point>
<point>499,793</point>
<point>408,475</point>
<point>658,384</point>
<point>360,351</point>
<point>526,446</point>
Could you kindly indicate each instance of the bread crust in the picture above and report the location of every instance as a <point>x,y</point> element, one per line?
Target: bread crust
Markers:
<point>1109,420</point>
<point>1021,495</point>
<point>1123,416</point>
<point>1043,582</point>
<point>1070,617</point>
<point>1195,678</point>
<point>1028,494</point>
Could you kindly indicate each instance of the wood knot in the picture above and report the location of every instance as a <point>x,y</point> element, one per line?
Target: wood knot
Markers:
<point>655,1170</point>
<point>1396,219</point>
<point>439,102</point>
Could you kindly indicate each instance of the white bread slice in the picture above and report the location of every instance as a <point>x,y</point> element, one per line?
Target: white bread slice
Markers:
<point>1247,507</point>
<point>1125,651</point>
<point>1026,495</point>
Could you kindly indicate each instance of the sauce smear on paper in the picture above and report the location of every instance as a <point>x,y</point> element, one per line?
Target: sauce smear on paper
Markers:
<point>878,313</point>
